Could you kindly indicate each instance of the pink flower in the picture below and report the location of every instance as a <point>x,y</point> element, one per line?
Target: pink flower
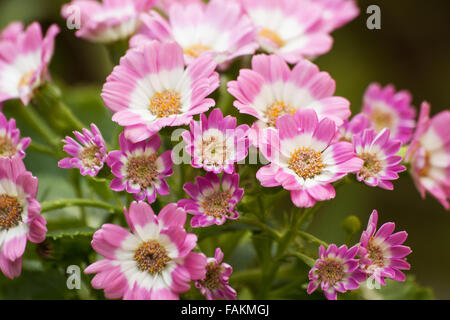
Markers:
<point>215,284</point>
<point>303,158</point>
<point>389,109</point>
<point>153,262</point>
<point>354,127</point>
<point>212,202</point>
<point>336,13</point>
<point>151,89</point>
<point>164,5</point>
<point>138,168</point>
<point>108,21</point>
<point>24,59</point>
<point>215,143</point>
<point>89,156</point>
<point>20,217</point>
<point>11,31</point>
<point>288,28</point>
<point>381,163</point>
<point>10,142</point>
<point>429,155</point>
<point>270,90</point>
<point>335,271</point>
<point>218,29</point>
<point>382,253</point>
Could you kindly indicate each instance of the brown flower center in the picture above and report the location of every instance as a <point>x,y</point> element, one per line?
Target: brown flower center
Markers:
<point>142,170</point>
<point>165,104</point>
<point>7,147</point>
<point>375,254</point>
<point>217,204</point>
<point>151,257</point>
<point>10,212</point>
<point>272,36</point>
<point>89,157</point>
<point>426,165</point>
<point>306,162</point>
<point>214,150</point>
<point>371,167</point>
<point>276,110</point>
<point>382,119</point>
<point>212,279</point>
<point>331,271</point>
<point>196,50</point>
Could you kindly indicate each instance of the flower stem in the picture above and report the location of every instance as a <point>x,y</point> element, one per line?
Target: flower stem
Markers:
<point>64,203</point>
<point>311,238</point>
<point>253,222</point>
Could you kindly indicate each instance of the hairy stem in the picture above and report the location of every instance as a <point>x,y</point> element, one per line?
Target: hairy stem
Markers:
<point>64,203</point>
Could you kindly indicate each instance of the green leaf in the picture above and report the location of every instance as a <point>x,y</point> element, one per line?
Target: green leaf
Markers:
<point>72,233</point>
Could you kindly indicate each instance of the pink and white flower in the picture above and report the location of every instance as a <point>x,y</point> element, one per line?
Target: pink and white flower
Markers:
<point>89,156</point>
<point>336,13</point>
<point>215,143</point>
<point>164,5</point>
<point>335,271</point>
<point>429,155</point>
<point>218,29</point>
<point>154,261</point>
<point>24,59</point>
<point>106,21</point>
<point>139,170</point>
<point>215,284</point>
<point>11,31</point>
<point>20,217</point>
<point>304,160</point>
<point>270,90</point>
<point>354,127</point>
<point>382,253</point>
<point>387,108</point>
<point>381,162</point>
<point>288,28</point>
<point>10,142</point>
<point>151,89</point>
<point>212,201</point>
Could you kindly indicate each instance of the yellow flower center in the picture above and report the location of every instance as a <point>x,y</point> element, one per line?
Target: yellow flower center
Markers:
<point>10,212</point>
<point>217,204</point>
<point>26,79</point>
<point>151,257</point>
<point>272,36</point>
<point>89,157</point>
<point>212,280</point>
<point>331,271</point>
<point>7,147</point>
<point>306,162</point>
<point>196,50</point>
<point>382,119</point>
<point>276,110</point>
<point>375,254</point>
<point>165,104</point>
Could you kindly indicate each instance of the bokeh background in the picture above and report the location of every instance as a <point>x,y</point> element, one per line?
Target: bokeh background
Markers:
<point>411,51</point>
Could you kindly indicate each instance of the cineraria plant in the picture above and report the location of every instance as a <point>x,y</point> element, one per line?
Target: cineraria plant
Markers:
<point>222,135</point>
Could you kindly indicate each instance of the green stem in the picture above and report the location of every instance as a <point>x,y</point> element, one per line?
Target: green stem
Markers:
<point>253,222</point>
<point>34,146</point>
<point>310,262</point>
<point>64,203</point>
<point>311,238</point>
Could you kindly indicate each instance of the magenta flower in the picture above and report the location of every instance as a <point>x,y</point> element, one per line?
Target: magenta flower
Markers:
<point>381,164</point>
<point>215,143</point>
<point>335,271</point>
<point>89,156</point>
<point>304,160</point>
<point>12,31</point>
<point>389,109</point>
<point>212,202</point>
<point>289,28</point>
<point>138,168</point>
<point>107,21</point>
<point>152,262</point>
<point>218,29</point>
<point>336,13</point>
<point>20,217</point>
<point>354,127</point>
<point>215,284</point>
<point>10,142</point>
<point>24,59</point>
<point>429,155</point>
<point>151,89</point>
<point>270,90</point>
<point>382,253</point>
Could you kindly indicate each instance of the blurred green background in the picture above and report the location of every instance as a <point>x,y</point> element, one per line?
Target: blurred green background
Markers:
<point>411,51</point>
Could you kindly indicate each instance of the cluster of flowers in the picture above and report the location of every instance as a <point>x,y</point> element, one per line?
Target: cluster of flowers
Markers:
<point>164,80</point>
